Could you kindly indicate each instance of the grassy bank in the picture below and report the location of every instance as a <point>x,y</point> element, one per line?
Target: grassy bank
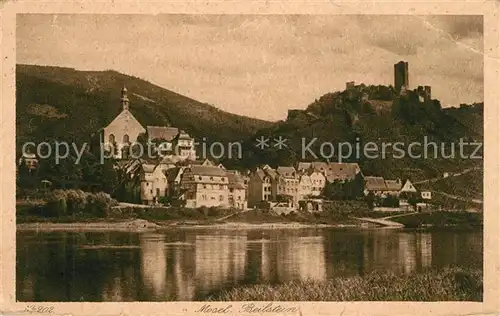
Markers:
<point>446,285</point>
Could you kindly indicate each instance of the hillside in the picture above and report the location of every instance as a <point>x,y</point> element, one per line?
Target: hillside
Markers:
<point>375,114</point>
<point>63,103</point>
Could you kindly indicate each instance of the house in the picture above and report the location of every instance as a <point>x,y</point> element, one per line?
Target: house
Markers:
<point>205,186</point>
<point>408,187</point>
<point>153,183</point>
<point>174,176</point>
<point>237,191</point>
<point>339,171</point>
<point>305,186</point>
<point>426,195</point>
<point>318,182</point>
<point>376,185</point>
<point>393,187</point>
<point>304,166</point>
<point>288,183</point>
<point>262,186</point>
<point>30,161</point>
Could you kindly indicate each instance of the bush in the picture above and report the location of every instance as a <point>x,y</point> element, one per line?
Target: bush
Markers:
<point>99,204</point>
<point>56,204</point>
<point>76,201</point>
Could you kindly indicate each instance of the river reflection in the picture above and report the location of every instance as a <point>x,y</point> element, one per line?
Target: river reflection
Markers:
<point>187,265</point>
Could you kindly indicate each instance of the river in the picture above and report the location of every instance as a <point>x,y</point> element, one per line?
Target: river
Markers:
<point>188,264</point>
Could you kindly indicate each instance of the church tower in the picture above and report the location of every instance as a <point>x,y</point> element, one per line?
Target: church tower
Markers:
<point>125,102</point>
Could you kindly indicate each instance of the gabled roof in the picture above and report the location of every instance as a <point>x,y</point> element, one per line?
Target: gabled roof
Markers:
<point>202,162</point>
<point>162,132</point>
<point>235,181</point>
<point>375,184</point>
<point>304,178</point>
<point>271,172</point>
<point>173,174</point>
<point>207,171</point>
<point>304,165</point>
<point>125,116</point>
<point>183,135</point>
<point>148,168</point>
<point>393,185</point>
<point>319,166</point>
<point>287,172</point>
<point>337,170</point>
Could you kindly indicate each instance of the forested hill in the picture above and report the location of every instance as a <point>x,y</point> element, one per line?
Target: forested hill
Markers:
<point>375,114</point>
<point>63,103</point>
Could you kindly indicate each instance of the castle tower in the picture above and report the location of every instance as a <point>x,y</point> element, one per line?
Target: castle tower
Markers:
<point>401,76</point>
<point>124,99</point>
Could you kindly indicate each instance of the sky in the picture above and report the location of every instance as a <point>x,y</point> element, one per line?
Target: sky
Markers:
<point>262,65</point>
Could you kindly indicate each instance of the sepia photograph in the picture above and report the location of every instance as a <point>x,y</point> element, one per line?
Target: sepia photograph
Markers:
<point>265,159</point>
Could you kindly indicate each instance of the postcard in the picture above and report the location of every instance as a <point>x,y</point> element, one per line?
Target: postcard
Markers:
<point>250,158</point>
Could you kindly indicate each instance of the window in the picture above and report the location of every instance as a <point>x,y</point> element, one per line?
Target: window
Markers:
<point>211,178</point>
<point>111,138</point>
<point>221,187</point>
<point>199,178</point>
<point>125,139</point>
<point>221,198</point>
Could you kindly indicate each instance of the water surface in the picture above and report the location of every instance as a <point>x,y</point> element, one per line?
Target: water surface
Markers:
<point>188,264</point>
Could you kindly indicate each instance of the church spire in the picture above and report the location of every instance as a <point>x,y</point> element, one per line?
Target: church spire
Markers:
<point>124,98</point>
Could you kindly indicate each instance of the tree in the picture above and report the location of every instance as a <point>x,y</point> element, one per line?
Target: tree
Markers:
<point>370,200</point>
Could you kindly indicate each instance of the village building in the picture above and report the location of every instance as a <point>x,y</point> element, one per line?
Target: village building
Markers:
<point>262,186</point>
<point>305,186</point>
<point>237,191</point>
<point>375,185</point>
<point>205,186</point>
<point>29,160</point>
<point>318,182</point>
<point>393,188</point>
<point>408,187</point>
<point>426,195</point>
<point>336,171</point>
<point>153,184</point>
<point>119,136</point>
<point>288,184</point>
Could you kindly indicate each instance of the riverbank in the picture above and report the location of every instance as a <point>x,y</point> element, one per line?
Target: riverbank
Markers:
<point>446,285</point>
<point>136,219</point>
<point>130,225</point>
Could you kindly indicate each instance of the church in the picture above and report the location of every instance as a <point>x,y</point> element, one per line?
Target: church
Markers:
<point>125,130</point>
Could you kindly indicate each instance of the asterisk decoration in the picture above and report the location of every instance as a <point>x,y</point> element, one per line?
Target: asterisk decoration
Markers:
<point>280,142</point>
<point>262,142</point>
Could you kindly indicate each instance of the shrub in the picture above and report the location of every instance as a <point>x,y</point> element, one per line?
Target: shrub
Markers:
<point>76,201</point>
<point>203,210</point>
<point>99,204</point>
<point>56,204</point>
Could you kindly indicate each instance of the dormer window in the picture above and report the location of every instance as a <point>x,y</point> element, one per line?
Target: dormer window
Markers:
<point>199,178</point>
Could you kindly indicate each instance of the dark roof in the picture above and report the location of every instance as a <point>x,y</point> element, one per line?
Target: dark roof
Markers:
<point>162,132</point>
<point>393,185</point>
<point>235,181</point>
<point>207,171</point>
<point>375,184</point>
<point>286,171</point>
<point>183,135</point>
